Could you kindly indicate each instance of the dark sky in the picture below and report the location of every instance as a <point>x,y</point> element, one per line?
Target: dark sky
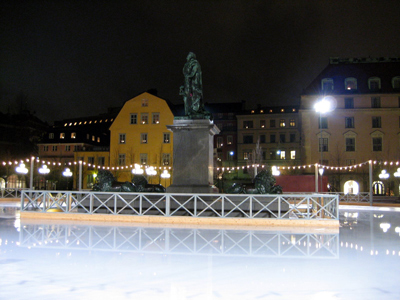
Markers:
<point>77,58</point>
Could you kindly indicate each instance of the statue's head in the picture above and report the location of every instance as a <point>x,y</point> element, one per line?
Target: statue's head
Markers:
<point>190,56</point>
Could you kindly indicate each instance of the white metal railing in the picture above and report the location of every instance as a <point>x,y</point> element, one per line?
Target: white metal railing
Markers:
<point>353,198</point>
<point>180,241</point>
<point>11,192</point>
<point>278,206</point>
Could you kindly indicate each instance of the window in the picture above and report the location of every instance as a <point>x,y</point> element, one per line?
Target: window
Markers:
<point>67,148</point>
<point>292,123</point>
<point>293,154</point>
<point>73,135</point>
<point>88,136</point>
<point>282,138</point>
<point>93,138</point>
<point>133,119</point>
<point>98,139</point>
<point>45,148</point>
<point>101,161</point>
<point>262,123</point>
<point>121,159</point>
<point>247,124</point>
<point>166,159</point>
<point>272,138</point>
<point>143,138</point>
<point>376,122</point>
<point>327,84</point>
<point>323,145</point>
<point>248,154</point>
<point>122,138</point>
<point>376,102</point>
<point>144,118</point>
<point>396,82</point>
<point>54,148</point>
<point>262,138</point>
<point>282,123</point>
<point>349,122</point>
<point>350,144</point>
<point>220,141</point>
<point>145,102</point>
<point>51,135</point>
<point>76,148</point>
<point>350,84</point>
<point>282,155</point>
<point>374,83</point>
<point>155,118</point>
<point>272,154</point>
<point>376,144</point>
<point>229,139</point>
<point>143,158</point>
<point>166,138</point>
<point>272,123</point>
<point>348,103</point>
<point>323,123</point>
<point>247,139</point>
<point>62,135</point>
<point>292,137</point>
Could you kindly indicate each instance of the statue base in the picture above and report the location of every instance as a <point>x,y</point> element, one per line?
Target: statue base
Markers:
<point>193,161</point>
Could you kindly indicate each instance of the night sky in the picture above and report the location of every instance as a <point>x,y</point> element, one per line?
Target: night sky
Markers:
<point>66,59</point>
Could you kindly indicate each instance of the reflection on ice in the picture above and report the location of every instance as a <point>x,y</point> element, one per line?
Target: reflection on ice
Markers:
<point>190,241</point>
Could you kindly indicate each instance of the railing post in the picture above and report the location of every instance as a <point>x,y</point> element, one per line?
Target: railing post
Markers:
<point>251,206</point>
<point>279,207</point>
<point>167,205</point>
<point>222,207</point>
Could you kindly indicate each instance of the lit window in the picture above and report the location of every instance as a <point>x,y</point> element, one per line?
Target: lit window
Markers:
<point>73,135</point>
<point>145,118</point>
<point>282,110</point>
<point>293,154</point>
<point>143,158</point>
<point>143,138</point>
<point>350,83</point>
<point>122,138</point>
<point>166,138</point>
<point>155,118</point>
<point>75,123</point>
<point>66,124</point>
<point>374,83</point>
<point>166,159</point>
<point>261,111</point>
<point>292,123</point>
<point>229,139</point>
<point>327,84</point>
<point>247,124</point>
<point>252,111</point>
<point>262,123</point>
<point>282,123</point>
<point>220,142</point>
<point>133,119</point>
<point>282,155</point>
<point>93,138</point>
<point>98,139</point>
<point>145,102</point>
<point>62,135</point>
<point>248,155</point>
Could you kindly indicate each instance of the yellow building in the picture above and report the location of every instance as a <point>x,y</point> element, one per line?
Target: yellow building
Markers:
<point>361,125</point>
<point>139,136</point>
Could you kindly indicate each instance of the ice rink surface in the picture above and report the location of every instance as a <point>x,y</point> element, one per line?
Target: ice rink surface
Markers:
<point>82,260</point>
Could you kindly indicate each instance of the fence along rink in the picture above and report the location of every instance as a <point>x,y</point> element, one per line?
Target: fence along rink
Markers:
<point>276,206</point>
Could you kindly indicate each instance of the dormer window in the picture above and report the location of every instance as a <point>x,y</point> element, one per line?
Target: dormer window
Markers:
<point>396,82</point>
<point>374,83</point>
<point>327,84</point>
<point>350,84</point>
<point>145,102</point>
<point>62,135</point>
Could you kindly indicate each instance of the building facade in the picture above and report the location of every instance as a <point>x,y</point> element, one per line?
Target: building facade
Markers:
<point>362,122</point>
<point>139,136</point>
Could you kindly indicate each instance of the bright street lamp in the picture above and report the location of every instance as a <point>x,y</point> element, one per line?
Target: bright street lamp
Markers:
<point>44,170</point>
<point>21,169</point>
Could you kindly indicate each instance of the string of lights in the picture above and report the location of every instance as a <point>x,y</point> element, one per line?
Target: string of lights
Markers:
<point>129,167</point>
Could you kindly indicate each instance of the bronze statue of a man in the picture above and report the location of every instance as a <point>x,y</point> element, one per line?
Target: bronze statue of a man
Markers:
<point>192,90</point>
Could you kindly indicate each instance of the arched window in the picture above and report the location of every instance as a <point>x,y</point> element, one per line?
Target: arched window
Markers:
<point>327,85</point>
<point>350,83</point>
<point>396,82</point>
<point>378,188</point>
<point>374,83</point>
<point>351,187</point>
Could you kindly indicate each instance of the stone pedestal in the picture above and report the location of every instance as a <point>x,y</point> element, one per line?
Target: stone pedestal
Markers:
<point>193,163</point>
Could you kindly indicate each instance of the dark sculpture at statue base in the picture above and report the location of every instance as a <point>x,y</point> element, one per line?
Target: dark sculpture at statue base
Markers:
<point>105,182</point>
<point>264,183</point>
